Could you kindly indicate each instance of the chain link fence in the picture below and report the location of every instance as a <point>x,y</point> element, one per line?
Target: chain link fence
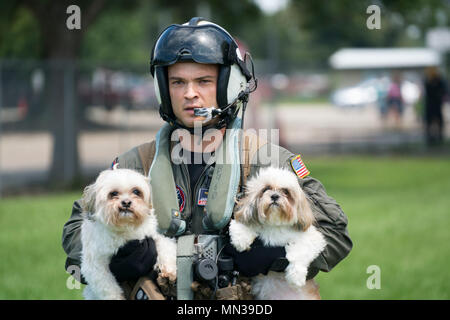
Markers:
<point>61,121</point>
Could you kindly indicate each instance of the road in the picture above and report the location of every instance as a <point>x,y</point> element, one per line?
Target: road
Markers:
<point>307,129</point>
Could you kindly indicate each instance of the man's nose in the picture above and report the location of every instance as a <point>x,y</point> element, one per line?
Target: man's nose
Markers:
<point>190,92</point>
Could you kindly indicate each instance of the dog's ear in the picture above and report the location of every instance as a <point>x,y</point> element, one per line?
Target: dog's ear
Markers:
<point>150,197</point>
<point>305,216</point>
<point>88,199</point>
<point>246,209</point>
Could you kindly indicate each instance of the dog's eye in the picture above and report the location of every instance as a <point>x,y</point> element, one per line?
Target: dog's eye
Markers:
<point>113,194</point>
<point>137,192</point>
<point>285,191</point>
<point>266,188</point>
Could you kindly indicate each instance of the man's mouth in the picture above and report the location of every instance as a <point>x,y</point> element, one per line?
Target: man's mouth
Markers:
<point>190,109</point>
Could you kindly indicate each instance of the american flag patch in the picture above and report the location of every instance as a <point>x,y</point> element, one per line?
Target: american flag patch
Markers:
<point>299,167</point>
<point>115,164</point>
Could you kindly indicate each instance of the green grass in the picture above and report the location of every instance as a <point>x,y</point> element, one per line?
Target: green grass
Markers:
<point>398,211</point>
<point>32,259</point>
<point>399,220</point>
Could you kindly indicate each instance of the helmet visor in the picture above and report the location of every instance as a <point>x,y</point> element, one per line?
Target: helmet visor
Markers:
<point>202,44</point>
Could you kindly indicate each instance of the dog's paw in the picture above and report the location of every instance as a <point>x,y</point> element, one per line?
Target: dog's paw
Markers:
<point>172,277</point>
<point>167,271</point>
<point>240,246</point>
<point>241,237</point>
<point>296,275</point>
<point>167,287</point>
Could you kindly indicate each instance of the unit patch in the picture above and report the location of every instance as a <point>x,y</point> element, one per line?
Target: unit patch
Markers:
<point>115,164</point>
<point>181,198</point>
<point>299,167</point>
<point>202,197</point>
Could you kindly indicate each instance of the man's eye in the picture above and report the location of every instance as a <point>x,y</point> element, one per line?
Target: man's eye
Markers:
<point>113,194</point>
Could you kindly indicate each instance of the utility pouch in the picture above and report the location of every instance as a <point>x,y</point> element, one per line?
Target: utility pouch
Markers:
<point>240,291</point>
<point>143,289</point>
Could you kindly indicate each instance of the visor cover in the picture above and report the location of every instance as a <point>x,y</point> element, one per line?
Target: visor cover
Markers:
<point>202,44</point>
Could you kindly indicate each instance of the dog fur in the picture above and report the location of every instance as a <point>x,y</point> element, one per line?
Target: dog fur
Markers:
<point>117,208</point>
<point>276,210</point>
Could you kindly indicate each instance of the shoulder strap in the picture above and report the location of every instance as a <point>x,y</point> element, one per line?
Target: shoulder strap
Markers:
<point>251,144</point>
<point>146,154</point>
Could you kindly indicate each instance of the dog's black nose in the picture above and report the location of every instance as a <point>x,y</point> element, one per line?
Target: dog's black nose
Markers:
<point>126,203</point>
<point>275,197</point>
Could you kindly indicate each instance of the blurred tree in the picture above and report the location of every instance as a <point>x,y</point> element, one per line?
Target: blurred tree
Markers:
<point>122,37</point>
<point>342,23</point>
<point>18,36</point>
<point>233,15</point>
<point>37,29</point>
<point>301,36</point>
<point>60,47</point>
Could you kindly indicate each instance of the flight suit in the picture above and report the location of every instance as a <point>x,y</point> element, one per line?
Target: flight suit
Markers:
<point>331,220</point>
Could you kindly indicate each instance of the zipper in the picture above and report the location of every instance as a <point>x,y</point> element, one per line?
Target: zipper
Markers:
<point>186,174</point>
<point>193,193</point>
<point>199,180</point>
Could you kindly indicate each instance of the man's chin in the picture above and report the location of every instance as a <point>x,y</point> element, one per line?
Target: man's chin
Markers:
<point>197,122</point>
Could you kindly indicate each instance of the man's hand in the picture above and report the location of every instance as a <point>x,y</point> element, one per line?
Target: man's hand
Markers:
<point>259,259</point>
<point>133,260</point>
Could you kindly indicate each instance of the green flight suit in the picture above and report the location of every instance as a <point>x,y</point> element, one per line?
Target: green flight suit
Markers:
<point>331,220</point>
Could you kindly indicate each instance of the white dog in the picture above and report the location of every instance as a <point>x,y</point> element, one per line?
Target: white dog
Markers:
<point>276,210</point>
<point>117,208</point>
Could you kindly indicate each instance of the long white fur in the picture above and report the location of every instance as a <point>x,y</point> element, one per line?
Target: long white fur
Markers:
<point>302,247</point>
<point>100,242</point>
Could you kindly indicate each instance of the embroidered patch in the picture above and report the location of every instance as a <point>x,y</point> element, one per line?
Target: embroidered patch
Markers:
<point>202,197</point>
<point>181,198</point>
<point>115,164</point>
<point>299,167</point>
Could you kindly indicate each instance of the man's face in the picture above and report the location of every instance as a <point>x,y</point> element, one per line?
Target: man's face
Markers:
<point>192,85</point>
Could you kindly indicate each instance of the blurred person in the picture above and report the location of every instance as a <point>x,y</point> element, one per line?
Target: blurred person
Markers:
<point>435,89</point>
<point>395,99</point>
<point>381,87</point>
<point>202,83</point>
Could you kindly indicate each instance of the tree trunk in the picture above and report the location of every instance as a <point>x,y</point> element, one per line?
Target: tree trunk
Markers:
<point>61,50</point>
<point>62,103</point>
<point>61,100</point>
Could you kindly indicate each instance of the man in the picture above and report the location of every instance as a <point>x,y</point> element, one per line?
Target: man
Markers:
<point>435,91</point>
<point>202,83</point>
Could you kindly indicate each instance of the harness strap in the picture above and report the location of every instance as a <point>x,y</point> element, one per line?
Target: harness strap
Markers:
<point>251,144</point>
<point>185,259</point>
<point>146,154</point>
<point>164,196</point>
